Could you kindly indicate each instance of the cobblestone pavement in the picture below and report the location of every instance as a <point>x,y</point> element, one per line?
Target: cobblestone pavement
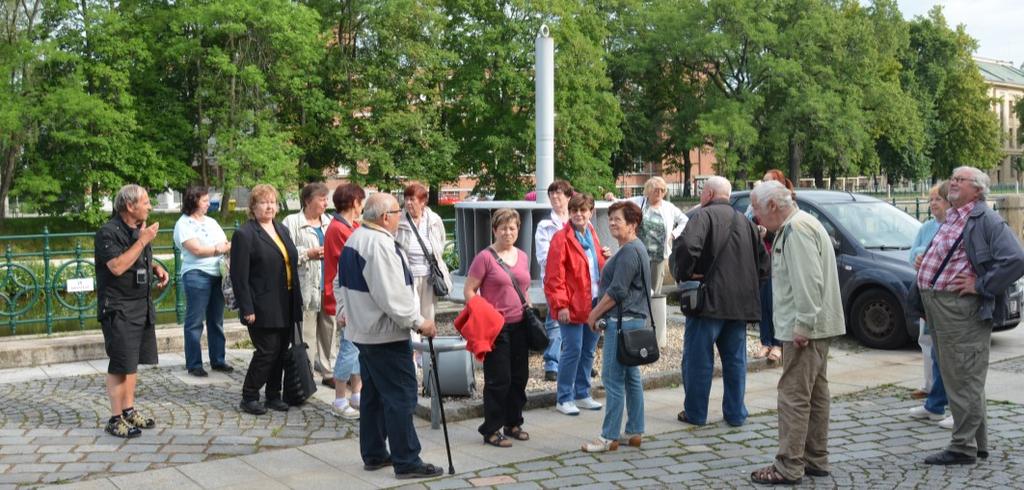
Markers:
<point>51,430</point>
<point>873,445</point>
<point>1015,365</point>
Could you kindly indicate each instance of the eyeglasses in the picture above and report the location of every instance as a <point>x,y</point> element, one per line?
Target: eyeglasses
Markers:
<point>395,211</point>
<point>961,179</point>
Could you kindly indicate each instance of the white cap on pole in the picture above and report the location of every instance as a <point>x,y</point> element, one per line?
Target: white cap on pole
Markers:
<point>545,112</point>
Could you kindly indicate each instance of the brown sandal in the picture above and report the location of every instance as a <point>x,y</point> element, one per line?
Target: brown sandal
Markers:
<point>771,476</point>
<point>497,440</point>
<point>517,433</point>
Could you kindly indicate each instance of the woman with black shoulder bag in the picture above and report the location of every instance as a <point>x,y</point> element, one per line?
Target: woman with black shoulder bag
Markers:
<point>624,306</point>
<point>506,366</point>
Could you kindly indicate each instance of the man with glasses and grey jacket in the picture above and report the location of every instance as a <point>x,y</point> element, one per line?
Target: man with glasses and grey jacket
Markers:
<point>961,289</point>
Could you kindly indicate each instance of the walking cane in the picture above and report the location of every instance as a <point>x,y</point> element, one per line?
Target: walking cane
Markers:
<point>440,403</point>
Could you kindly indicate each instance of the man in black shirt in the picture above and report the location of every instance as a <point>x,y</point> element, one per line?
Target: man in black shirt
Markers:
<point>124,262</point>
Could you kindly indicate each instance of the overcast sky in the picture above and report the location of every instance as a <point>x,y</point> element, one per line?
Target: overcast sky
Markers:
<point>998,25</point>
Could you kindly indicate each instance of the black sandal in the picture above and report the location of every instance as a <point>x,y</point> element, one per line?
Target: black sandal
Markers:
<point>771,476</point>
<point>517,433</point>
<point>497,440</point>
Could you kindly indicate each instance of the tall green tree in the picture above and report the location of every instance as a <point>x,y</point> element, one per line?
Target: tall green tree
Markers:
<point>383,73</point>
<point>952,96</point>
<point>88,141</point>
<point>22,44</point>
<point>232,83</point>
<point>490,93</point>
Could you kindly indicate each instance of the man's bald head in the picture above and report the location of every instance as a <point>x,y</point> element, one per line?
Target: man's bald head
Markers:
<point>382,209</point>
<point>716,187</point>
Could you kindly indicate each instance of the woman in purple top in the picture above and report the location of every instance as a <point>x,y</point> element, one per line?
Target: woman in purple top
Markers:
<point>506,367</point>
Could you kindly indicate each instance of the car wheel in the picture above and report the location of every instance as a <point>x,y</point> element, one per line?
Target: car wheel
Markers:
<point>877,320</point>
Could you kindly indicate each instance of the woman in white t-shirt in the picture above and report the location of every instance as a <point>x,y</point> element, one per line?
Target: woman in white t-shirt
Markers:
<point>662,223</point>
<point>202,242</point>
<point>430,231</point>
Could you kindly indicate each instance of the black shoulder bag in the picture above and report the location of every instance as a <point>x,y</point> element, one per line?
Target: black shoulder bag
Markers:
<point>436,277</point>
<point>638,346</point>
<point>692,294</point>
<point>536,333</point>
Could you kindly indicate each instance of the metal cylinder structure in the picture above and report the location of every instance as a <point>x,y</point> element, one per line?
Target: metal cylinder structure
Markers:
<point>545,112</point>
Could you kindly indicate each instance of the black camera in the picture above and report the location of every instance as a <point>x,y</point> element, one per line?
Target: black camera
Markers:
<point>141,277</point>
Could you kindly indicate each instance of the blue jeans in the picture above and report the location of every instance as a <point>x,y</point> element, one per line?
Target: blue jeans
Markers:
<point>577,361</point>
<point>554,350</point>
<point>766,326</point>
<point>622,385</point>
<point>699,339</point>
<point>936,401</point>
<point>203,299</point>
<point>387,405</point>
<point>347,361</point>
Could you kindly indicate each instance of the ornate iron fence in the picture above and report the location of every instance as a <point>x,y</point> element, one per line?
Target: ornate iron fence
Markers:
<point>34,285</point>
<point>34,274</point>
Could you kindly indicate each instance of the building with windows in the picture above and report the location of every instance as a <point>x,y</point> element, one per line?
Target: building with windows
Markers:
<point>1006,88</point>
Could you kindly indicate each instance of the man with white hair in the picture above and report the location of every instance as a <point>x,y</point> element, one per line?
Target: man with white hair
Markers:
<point>807,313</point>
<point>961,289</point>
<point>381,309</point>
<point>722,249</point>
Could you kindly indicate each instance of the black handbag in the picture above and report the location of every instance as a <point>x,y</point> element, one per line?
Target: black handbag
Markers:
<point>692,294</point>
<point>299,383</point>
<point>536,332</point>
<point>638,346</point>
<point>436,277</point>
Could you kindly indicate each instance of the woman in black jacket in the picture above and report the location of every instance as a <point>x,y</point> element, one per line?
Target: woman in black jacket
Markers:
<point>264,275</point>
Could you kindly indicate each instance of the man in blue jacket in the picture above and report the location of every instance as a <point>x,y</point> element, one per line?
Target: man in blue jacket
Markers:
<point>961,284</point>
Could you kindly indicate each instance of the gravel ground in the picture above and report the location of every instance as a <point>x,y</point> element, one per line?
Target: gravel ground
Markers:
<point>671,357</point>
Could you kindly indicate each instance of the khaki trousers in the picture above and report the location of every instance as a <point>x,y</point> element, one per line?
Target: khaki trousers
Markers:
<point>425,297</point>
<point>318,333</point>
<point>658,275</point>
<point>803,409</point>
<point>962,342</point>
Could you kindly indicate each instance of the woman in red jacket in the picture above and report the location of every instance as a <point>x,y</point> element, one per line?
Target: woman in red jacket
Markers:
<point>571,276</point>
<point>348,201</point>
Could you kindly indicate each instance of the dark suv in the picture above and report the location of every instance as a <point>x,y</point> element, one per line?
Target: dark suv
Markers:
<point>872,240</point>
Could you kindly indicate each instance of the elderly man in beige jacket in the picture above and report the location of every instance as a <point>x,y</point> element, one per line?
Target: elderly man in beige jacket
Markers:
<point>808,312</point>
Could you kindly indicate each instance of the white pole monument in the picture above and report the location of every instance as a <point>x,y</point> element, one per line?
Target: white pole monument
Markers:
<point>545,108</point>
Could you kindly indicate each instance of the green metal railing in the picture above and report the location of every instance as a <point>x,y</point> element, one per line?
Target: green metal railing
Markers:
<point>35,269</point>
<point>33,283</point>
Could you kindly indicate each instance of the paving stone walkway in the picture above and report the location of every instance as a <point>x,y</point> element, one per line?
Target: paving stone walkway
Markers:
<point>872,441</point>
<point>51,430</point>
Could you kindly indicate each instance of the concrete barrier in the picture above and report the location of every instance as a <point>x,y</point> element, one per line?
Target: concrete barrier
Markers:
<point>37,350</point>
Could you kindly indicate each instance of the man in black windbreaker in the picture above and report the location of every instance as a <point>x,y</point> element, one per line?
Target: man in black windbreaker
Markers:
<point>721,248</point>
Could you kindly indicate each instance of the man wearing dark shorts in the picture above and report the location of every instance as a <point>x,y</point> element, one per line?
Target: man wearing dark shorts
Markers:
<point>124,264</point>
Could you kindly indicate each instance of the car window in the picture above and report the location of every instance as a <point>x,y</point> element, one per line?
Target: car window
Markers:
<point>875,225</point>
<point>741,203</point>
<point>829,227</point>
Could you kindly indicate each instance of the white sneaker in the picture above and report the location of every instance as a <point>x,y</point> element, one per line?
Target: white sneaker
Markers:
<point>588,403</point>
<point>345,410</point>
<point>567,408</point>
<point>600,445</point>
<point>947,423</point>
<point>354,401</point>
<point>921,413</point>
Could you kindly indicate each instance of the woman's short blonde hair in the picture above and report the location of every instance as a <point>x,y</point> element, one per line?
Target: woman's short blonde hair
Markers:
<point>941,188</point>
<point>262,192</point>
<point>504,216</point>
<point>655,183</point>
